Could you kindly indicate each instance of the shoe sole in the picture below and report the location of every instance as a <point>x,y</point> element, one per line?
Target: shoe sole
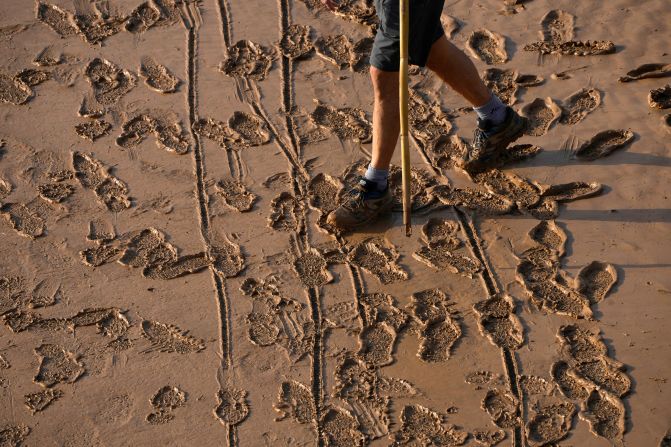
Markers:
<point>516,133</point>
<point>384,208</point>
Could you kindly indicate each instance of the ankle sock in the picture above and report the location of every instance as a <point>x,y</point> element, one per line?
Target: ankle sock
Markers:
<point>494,111</point>
<point>379,176</point>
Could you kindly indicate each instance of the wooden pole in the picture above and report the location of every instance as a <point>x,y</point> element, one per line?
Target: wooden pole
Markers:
<point>403,101</point>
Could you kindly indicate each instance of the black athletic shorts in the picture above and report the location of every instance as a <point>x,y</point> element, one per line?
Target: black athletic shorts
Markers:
<point>425,30</point>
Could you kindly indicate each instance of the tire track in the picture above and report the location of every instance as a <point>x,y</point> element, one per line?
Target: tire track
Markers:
<point>223,308</point>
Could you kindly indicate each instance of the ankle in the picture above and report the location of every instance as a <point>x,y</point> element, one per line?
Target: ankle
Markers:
<point>378,176</point>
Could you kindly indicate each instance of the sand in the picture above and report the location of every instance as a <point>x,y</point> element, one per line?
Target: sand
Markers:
<point>168,276</point>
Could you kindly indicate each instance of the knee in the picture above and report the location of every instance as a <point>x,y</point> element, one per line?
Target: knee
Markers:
<point>385,83</point>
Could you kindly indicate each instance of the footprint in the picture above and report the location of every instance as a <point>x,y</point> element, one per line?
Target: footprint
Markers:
<point>559,299</point>
<point>550,424</point>
<point>489,438</point>
<point>55,192</point>
<point>263,329</point>
<point>214,130</point>
<point>348,123</point>
<point>284,210</point>
<point>421,181</point>
<point>446,152</point>
<point>236,195</point>
<point>248,130</point>
<point>40,400</point>
<point>436,229</point>
<point>170,11</point>
<point>422,426</point>
<point>557,26</point>
<point>164,402</point>
<point>378,258</point>
<point>502,83</point>
<point>13,435</point>
<point>439,331</point>
<point>595,280</point>
<point>666,121</point>
<point>581,344</point>
<point>108,81</point>
<point>542,114</point>
<point>487,46</point>
<point>323,192</point>
<point>169,338</point>
<point>14,91</point>
<point>603,143</point>
<point>312,270</point>
<point>247,59</point>
<point>572,386</point>
<point>227,258</point>
<point>56,366</point>
<point>90,108</point>
<point>101,254</point>
<point>142,18</point>
<point>439,255</point>
<point>5,189</point>
<point>380,308</point>
<point>376,344</point>
<point>516,154</point>
<point>498,322</point>
<point>57,19</point>
<point>95,26</point>
<point>295,401</point>
<point>25,221</point>
<point>660,98</point>
<point>94,129</point>
<point>135,130</point>
<point>32,77</point>
<point>546,209</point>
<point>340,429</point>
<point>100,231</point>
<point>605,414</point>
<point>567,192</point>
<point>573,47</point>
<point>646,71</point>
<point>607,375</point>
<point>232,406</point>
<point>114,194</point>
<point>511,186</point>
<point>48,57</point>
<point>549,235</point>
<point>577,106</point>
<point>502,407</point>
<point>157,76</point>
<point>450,24</point>
<point>147,247</point>
<point>427,120</point>
<point>482,202</point>
<point>171,137</point>
<point>296,42</point>
<point>335,49</point>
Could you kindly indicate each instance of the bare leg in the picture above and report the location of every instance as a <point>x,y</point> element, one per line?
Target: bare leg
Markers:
<point>458,71</point>
<point>386,124</point>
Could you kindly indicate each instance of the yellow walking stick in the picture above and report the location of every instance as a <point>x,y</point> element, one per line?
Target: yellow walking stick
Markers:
<point>403,101</point>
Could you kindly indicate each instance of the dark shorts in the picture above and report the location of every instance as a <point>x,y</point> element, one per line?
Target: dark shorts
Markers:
<point>425,30</point>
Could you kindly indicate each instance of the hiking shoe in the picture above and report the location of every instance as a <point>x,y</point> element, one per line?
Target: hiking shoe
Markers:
<point>363,204</point>
<point>490,140</point>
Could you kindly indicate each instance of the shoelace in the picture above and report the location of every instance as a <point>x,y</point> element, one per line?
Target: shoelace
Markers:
<point>355,196</point>
<point>479,138</point>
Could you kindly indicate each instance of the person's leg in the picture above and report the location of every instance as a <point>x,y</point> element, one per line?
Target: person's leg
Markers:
<point>458,71</point>
<point>386,119</point>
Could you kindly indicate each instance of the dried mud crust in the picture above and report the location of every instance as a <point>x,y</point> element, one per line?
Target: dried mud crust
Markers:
<point>93,175</point>
<point>93,129</point>
<point>488,46</point>
<point>158,77</point>
<point>164,402</point>
<point>296,42</point>
<point>577,106</point>
<point>247,59</point>
<point>236,195</point>
<point>550,424</point>
<point>557,26</point>
<point>108,81</point>
<point>542,114</point>
<point>423,426</point>
<point>604,143</point>
<point>660,98</point>
<point>40,400</point>
<point>573,47</point>
<point>347,123</point>
<point>645,71</point>
<point>232,406</point>
<point>438,325</point>
<point>379,258</point>
<point>13,90</point>
<point>169,338</point>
